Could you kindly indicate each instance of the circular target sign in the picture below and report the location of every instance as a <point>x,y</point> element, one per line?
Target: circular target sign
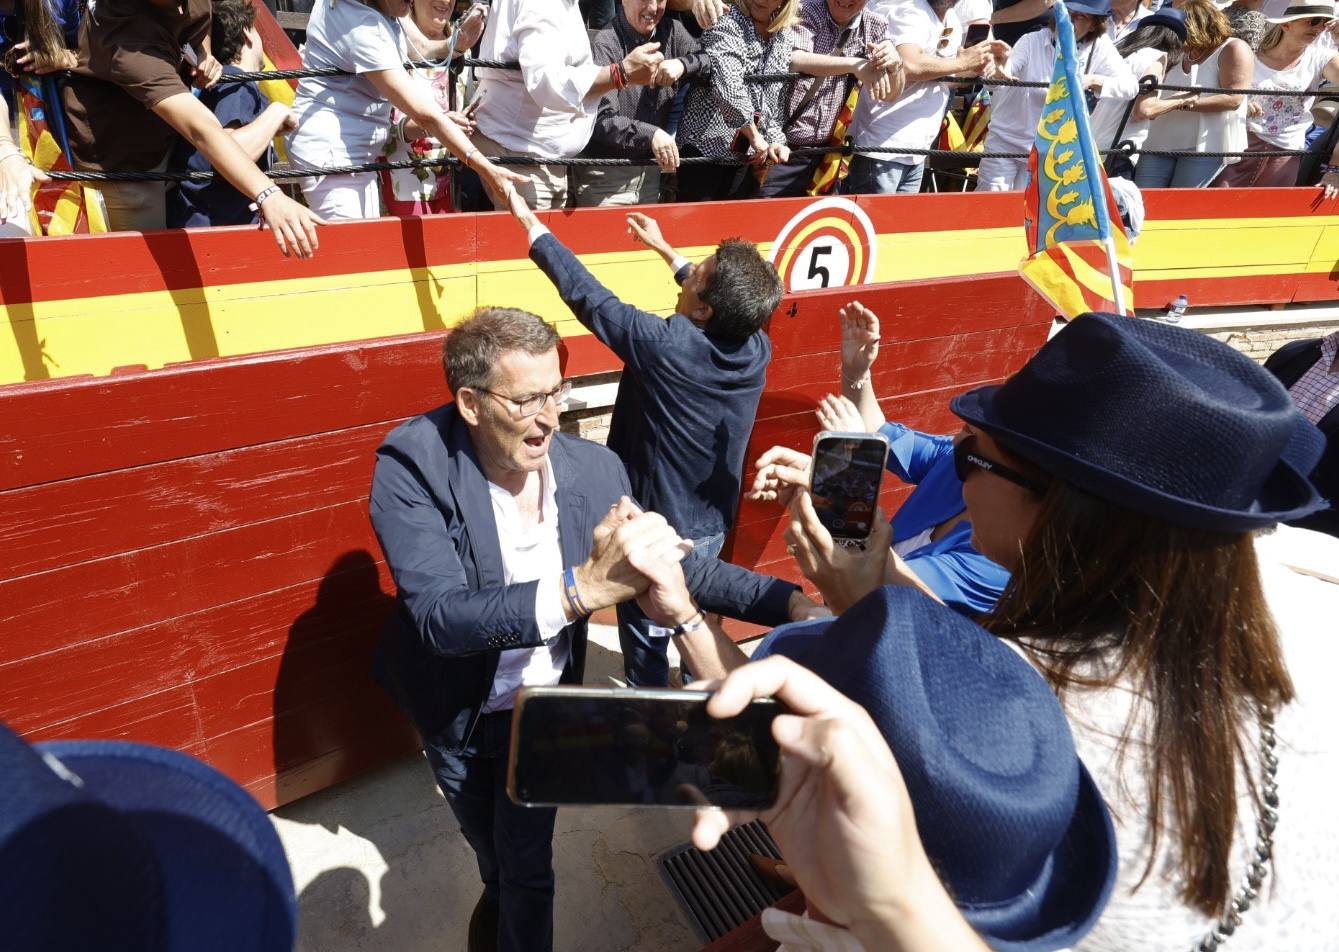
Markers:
<point>831,243</point>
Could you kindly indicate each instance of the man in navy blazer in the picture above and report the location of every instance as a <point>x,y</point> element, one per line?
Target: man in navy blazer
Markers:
<point>689,391</point>
<point>503,535</point>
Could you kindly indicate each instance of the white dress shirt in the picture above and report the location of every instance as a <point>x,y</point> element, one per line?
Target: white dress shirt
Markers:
<point>531,552</point>
<point>542,109</point>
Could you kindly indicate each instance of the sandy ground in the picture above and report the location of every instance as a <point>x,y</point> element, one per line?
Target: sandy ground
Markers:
<point>379,863</point>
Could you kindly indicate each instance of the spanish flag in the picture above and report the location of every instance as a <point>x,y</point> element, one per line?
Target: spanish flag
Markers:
<point>1080,259</point>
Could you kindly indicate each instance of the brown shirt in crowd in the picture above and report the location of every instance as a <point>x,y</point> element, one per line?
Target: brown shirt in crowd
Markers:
<point>130,59</point>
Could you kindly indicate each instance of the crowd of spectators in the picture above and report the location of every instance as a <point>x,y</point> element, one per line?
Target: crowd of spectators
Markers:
<point>658,86</point>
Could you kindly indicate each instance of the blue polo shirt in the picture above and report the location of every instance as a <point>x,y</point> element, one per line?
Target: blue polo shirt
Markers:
<point>215,202</point>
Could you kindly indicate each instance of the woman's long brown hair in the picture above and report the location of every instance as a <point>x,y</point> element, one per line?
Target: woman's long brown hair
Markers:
<point>1178,613</point>
<point>42,33</point>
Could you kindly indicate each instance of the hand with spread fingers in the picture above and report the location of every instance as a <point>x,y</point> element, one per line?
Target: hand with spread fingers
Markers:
<point>779,471</point>
<point>843,574</point>
<point>839,414</point>
<point>860,340</point>
<point>842,818</point>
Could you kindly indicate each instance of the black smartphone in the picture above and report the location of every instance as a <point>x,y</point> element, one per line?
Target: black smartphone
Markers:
<point>976,33</point>
<point>574,746</point>
<point>847,474</point>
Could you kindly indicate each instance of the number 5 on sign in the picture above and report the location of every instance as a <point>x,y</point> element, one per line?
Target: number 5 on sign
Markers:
<point>831,243</point>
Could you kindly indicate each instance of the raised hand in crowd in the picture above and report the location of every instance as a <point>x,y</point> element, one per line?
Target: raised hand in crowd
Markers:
<point>206,72</point>
<point>860,340</point>
<point>665,150</point>
<point>839,414</point>
<point>470,27</point>
<point>26,59</point>
<point>844,574</point>
<point>706,12</point>
<point>842,817</point>
<point>668,72</point>
<point>639,66</point>
<point>778,472</point>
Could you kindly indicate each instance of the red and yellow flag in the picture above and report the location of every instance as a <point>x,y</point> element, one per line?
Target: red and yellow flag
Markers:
<point>834,166</point>
<point>59,207</point>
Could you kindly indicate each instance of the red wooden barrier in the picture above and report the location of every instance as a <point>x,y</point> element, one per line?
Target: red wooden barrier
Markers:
<point>188,559</point>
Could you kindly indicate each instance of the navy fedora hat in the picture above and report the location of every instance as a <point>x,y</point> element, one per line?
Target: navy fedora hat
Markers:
<point>1097,8</point>
<point>116,845</point>
<point>1009,816</point>
<point>1159,419</point>
<point>1169,17</point>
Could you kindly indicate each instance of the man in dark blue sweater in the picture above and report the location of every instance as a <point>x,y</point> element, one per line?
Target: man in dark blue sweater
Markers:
<point>688,395</point>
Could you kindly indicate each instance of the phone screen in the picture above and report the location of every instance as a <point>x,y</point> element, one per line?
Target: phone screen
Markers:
<point>976,33</point>
<point>848,470</point>
<point>625,746</point>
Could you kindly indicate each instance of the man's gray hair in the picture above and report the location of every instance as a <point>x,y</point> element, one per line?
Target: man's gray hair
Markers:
<point>474,347</point>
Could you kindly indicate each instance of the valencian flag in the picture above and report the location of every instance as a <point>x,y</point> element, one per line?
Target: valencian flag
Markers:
<point>59,207</point>
<point>1073,228</point>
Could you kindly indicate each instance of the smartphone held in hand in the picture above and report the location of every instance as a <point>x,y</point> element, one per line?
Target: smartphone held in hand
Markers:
<point>846,477</point>
<point>574,746</point>
<point>976,33</point>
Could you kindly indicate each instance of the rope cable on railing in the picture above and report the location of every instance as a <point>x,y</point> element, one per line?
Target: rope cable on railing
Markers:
<point>804,152</point>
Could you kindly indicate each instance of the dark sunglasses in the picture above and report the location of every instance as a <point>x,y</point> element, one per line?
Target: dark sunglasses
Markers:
<point>1318,21</point>
<point>966,458</point>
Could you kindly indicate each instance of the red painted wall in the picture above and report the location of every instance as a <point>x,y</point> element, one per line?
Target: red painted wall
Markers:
<point>188,559</point>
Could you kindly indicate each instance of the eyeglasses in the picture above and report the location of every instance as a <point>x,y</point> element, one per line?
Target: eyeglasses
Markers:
<point>944,39</point>
<point>531,405</point>
<point>1318,21</point>
<point>965,458</point>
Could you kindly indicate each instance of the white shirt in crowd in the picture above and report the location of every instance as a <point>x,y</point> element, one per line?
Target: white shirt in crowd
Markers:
<point>343,120</point>
<point>912,120</point>
<point>541,108</point>
<point>1106,115</point>
<point>530,553</point>
<point>1015,110</point>
<point>1284,120</point>
<point>973,11</point>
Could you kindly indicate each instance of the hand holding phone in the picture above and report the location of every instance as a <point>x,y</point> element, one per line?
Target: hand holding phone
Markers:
<point>845,480</point>
<point>574,746</point>
<point>976,33</point>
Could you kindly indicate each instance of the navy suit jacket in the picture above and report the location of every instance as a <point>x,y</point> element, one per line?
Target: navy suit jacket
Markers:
<point>686,401</point>
<point>453,614</point>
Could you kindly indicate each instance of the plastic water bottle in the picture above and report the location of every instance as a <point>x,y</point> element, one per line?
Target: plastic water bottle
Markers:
<point>1177,309</point>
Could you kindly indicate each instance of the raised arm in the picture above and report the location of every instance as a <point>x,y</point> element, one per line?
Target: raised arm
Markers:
<point>594,305</point>
<point>860,348</point>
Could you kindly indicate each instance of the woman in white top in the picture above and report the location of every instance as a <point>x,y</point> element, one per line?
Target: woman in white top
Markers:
<point>1194,123</point>
<point>343,120</point>
<point>1195,673</point>
<point>1156,41</point>
<point>1015,110</point>
<point>432,39</point>
<point>1289,58</point>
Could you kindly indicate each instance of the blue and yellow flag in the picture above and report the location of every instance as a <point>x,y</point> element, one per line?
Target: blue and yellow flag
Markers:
<point>1073,227</point>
